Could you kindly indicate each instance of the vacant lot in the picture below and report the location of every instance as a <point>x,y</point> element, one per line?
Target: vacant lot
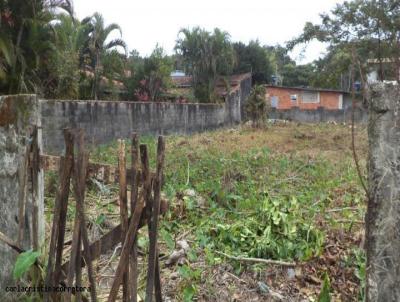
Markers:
<point>289,192</point>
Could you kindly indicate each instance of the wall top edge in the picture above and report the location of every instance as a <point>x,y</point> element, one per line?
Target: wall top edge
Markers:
<point>129,102</point>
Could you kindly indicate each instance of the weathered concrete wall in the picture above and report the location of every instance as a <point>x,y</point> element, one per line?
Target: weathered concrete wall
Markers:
<point>104,121</point>
<point>18,115</point>
<point>320,115</point>
<point>383,214</point>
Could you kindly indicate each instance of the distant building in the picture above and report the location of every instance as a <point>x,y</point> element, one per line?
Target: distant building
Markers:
<point>177,73</point>
<point>180,79</point>
<point>282,97</point>
<point>385,68</point>
<point>224,85</point>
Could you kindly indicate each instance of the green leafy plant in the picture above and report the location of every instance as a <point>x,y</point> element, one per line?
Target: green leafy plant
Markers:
<point>325,295</point>
<point>24,263</point>
<point>189,275</point>
<point>257,106</point>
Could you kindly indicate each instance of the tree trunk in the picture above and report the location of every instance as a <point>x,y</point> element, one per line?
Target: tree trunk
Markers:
<point>383,215</point>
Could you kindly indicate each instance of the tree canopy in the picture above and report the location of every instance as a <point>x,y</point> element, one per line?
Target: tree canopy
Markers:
<point>45,50</point>
<point>361,28</point>
<point>205,56</point>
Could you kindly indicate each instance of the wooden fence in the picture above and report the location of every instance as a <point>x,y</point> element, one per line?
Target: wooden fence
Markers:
<point>143,206</point>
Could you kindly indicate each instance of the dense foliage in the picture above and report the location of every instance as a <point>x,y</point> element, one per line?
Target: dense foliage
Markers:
<point>359,30</point>
<point>257,106</point>
<point>45,50</point>
<point>253,58</point>
<point>206,56</point>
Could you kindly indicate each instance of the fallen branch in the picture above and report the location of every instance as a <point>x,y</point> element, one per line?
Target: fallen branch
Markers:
<point>10,243</point>
<point>343,209</point>
<point>258,260</point>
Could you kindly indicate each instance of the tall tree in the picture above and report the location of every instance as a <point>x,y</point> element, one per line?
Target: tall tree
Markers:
<point>98,46</point>
<point>206,56</point>
<point>253,58</point>
<point>297,75</point>
<point>26,43</point>
<point>66,60</point>
<point>364,29</point>
<point>150,76</point>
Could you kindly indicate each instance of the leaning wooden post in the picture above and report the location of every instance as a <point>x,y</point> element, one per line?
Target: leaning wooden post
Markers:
<point>69,161</point>
<point>383,214</point>
<point>133,271</point>
<point>59,217</point>
<point>123,205</point>
<point>80,174</point>
<point>153,251</point>
<point>132,229</point>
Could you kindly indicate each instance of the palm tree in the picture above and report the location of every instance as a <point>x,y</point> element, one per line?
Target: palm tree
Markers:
<point>71,37</point>
<point>97,46</point>
<point>206,56</point>
<point>26,42</point>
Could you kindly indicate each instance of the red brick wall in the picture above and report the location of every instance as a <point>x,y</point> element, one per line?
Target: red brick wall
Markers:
<point>328,100</point>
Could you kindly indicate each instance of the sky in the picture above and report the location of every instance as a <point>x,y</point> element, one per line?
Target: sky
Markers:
<point>148,22</point>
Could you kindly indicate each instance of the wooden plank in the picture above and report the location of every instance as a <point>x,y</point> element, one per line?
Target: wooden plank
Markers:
<point>129,239</point>
<point>34,167</point>
<point>132,230</point>
<point>133,270</point>
<point>80,174</point>
<point>123,203</point>
<point>104,173</point>
<point>107,242</point>
<point>23,179</point>
<point>99,247</point>
<point>153,252</point>
<point>75,252</point>
<point>69,161</point>
<point>62,197</point>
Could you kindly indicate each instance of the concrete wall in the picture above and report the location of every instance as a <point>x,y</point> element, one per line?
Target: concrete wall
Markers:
<point>18,115</point>
<point>383,214</point>
<point>320,115</point>
<point>105,121</point>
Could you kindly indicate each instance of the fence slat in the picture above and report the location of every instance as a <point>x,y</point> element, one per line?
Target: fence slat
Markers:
<point>61,199</point>
<point>123,205</point>
<point>153,253</point>
<point>69,160</point>
<point>80,170</point>
<point>134,199</point>
<point>132,230</point>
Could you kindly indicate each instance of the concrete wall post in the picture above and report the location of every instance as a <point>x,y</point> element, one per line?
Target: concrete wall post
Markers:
<point>383,214</point>
<point>19,116</point>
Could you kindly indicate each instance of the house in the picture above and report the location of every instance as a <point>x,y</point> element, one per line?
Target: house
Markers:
<point>180,79</point>
<point>282,97</point>
<point>387,69</point>
<point>225,85</point>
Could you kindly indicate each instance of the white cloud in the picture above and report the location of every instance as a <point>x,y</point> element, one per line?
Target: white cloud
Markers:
<point>145,23</point>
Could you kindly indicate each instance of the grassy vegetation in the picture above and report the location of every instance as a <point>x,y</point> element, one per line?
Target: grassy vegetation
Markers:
<point>287,192</point>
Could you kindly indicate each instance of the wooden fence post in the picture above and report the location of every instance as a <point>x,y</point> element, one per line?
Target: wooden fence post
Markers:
<point>123,205</point>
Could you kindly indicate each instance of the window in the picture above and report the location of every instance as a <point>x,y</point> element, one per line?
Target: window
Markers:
<point>310,97</point>
<point>341,101</point>
<point>293,98</point>
<point>274,101</point>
